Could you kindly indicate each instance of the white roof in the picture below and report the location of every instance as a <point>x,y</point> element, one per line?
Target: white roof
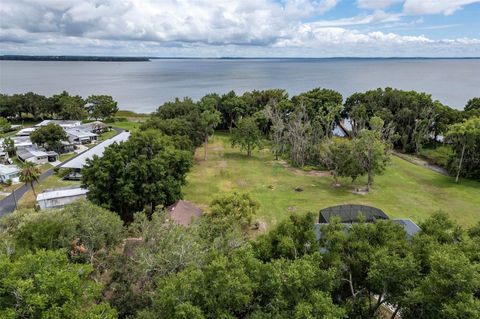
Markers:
<point>61,193</point>
<point>8,169</point>
<point>62,123</point>
<point>79,133</point>
<point>80,161</point>
<point>26,131</point>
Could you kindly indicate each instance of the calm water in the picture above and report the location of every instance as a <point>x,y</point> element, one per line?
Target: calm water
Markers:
<point>143,86</point>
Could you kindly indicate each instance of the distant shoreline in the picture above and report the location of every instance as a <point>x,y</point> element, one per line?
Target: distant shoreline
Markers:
<point>71,58</point>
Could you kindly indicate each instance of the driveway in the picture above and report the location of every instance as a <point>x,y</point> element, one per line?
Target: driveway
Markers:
<point>7,205</point>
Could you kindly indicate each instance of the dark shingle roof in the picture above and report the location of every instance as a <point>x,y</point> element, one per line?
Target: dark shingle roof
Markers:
<point>351,213</point>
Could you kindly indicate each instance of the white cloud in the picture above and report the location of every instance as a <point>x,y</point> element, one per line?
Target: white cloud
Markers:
<point>446,7</point>
<point>208,28</point>
<point>376,4</point>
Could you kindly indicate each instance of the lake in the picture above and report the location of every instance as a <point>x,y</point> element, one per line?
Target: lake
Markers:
<point>143,86</point>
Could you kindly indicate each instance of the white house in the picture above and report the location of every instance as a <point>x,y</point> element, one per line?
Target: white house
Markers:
<point>26,131</point>
<point>76,136</point>
<point>61,123</point>
<point>36,156</point>
<point>22,141</point>
<point>9,172</point>
<point>59,197</point>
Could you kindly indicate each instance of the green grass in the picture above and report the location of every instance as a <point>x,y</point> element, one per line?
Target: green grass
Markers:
<point>106,135</point>
<point>130,114</point>
<point>63,157</point>
<point>405,190</point>
<point>127,125</point>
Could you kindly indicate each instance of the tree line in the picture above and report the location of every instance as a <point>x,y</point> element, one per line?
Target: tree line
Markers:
<point>61,106</point>
<point>69,264</point>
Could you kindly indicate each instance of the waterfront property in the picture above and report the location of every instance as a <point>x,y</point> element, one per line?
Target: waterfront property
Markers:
<point>9,172</point>
<point>59,197</point>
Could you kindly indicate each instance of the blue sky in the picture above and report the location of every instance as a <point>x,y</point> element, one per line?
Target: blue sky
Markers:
<point>247,28</point>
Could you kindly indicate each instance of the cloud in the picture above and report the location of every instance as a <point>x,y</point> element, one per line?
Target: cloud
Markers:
<point>209,28</point>
<point>446,7</point>
<point>376,4</point>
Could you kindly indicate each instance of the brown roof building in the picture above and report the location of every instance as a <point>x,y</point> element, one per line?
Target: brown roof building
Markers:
<point>183,212</point>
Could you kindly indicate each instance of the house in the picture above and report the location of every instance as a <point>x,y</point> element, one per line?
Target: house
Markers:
<point>96,127</point>
<point>77,136</point>
<point>26,131</point>
<point>9,172</point>
<point>4,158</point>
<point>36,156</point>
<point>57,198</point>
<point>78,162</point>
<point>183,212</point>
<point>22,141</point>
<point>351,214</point>
<point>64,124</point>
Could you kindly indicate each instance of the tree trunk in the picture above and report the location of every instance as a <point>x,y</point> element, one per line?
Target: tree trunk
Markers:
<point>33,190</point>
<point>461,160</point>
<point>394,314</point>
<point>249,151</point>
<point>370,180</point>
<point>205,149</point>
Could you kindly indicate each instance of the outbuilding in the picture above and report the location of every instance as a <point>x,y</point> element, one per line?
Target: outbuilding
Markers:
<point>36,156</point>
<point>59,197</point>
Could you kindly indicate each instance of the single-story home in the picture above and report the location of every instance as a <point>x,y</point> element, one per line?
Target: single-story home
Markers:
<point>36,156</point>
<point>9,172</point>
<point>26,131</point>
<point>351,214</point>
<point>78,162</point>
<point>4,158</point>
<point>62,123</point>
<point>59,197</point>
<point>22,141</point>
<point>94,127</point>
<point>183,212</point>
<point>77,136</point>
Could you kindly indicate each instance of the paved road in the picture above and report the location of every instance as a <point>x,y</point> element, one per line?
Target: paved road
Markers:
<point>7,205</point>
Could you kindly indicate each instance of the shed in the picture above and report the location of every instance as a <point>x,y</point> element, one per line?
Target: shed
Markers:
<point>183,212</point>
<point>59,197</point>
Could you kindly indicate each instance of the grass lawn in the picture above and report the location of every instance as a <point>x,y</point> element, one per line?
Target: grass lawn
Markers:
<point>28,200</point>
<point>405,190</point>
<point>127,125</point>
<point>106,135</point>
<point>66,156</point>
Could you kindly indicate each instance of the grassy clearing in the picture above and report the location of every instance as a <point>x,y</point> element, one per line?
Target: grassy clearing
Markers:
<point>127,125</point>
<point>28,200</point>
<point>405,190</point>
<point>106,135</point>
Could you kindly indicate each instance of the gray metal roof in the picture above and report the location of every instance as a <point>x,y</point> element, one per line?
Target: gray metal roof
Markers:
<point>410,227</point>
<point>61,193</point>
<point>80,161</point>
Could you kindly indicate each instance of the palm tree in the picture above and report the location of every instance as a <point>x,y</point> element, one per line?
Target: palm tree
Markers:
<point>30,174</point>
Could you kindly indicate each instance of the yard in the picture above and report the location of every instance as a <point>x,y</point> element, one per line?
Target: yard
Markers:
<point>28,200</point>
<point>405,190</point>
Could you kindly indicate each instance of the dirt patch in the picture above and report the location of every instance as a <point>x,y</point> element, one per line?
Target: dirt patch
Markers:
<point>359,191</point>
<point>242,183</point>
<point>292,208</point>
<point>298,171</point>
<point>222,164</point>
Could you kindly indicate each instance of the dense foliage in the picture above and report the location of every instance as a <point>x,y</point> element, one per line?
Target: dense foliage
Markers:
<point>60,106</point>
<point>49,136</point>
<point>65,263</point>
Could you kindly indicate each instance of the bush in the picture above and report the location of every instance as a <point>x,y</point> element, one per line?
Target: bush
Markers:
<point>8,182</point>
<point>440,155</point>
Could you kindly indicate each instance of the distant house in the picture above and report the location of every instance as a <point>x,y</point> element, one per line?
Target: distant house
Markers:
<point>183,212</point>
<point>9,172</point>
<point>57,198</point>
<point>96,127</point>
<point>61,123</point>
<point>22,141</point>
<point>26,131</point>
<point>36,156</point>
<point>77,136</point>
<point>351,214</point>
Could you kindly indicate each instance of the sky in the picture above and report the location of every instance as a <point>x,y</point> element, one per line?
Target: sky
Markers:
<point>241,28</point>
